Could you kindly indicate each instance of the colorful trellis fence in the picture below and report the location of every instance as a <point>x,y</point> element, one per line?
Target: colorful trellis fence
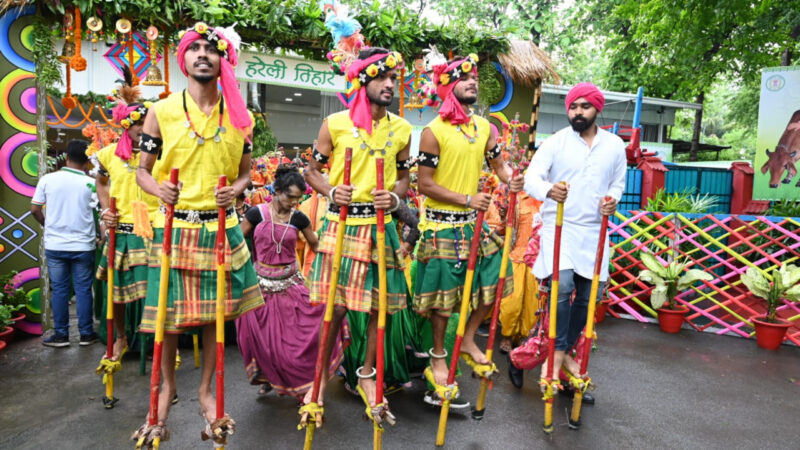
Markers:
<point>724,245</point>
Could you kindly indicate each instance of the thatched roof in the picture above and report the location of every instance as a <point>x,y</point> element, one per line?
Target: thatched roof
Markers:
<point>527,64</point>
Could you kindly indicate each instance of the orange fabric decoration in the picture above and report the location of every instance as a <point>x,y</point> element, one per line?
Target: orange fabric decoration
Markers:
<point>130,60</point>
<point>77,61</point>
<point>166,92</point>
<point>69,101</point>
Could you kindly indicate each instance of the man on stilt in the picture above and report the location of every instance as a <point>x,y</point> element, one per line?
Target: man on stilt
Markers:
<point>203,132</point>
<point>453,148</point>
<point>371,131</point>
<point>592,163</point>
<point>118,162</point>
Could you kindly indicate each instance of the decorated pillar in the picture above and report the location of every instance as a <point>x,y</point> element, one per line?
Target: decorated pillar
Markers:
<point>742,186</point>
<point>653,175</point>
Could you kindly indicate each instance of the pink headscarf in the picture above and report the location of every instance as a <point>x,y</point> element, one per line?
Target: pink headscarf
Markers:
<point>357,74</point>
<point>125,143</point>
<point>236,107</point>
<point>588,91</point>
<point>451,108</point>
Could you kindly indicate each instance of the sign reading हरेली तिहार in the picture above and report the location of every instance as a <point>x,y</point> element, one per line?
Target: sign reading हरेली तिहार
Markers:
<point>283,71</point>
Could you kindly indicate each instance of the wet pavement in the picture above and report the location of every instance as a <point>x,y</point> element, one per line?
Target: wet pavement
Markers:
<point>691,390</point>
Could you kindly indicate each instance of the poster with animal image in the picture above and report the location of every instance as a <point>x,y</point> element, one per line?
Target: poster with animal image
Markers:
<point>778,144</point>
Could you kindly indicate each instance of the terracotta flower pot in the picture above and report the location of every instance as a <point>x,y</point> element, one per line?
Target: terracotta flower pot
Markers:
<point>2,345</point>
<point>602,310</point>
<point>671,320</point>
<point>7,334</point>
<point>18,318</point>
<point>769,335</point>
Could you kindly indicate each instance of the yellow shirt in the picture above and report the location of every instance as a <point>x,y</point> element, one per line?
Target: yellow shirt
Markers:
<point>460,163</point>
<point>200,165</point>
<point>362,169</point>
<point>122,183</point>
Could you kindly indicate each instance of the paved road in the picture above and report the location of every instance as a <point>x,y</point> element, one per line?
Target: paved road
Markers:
<point>691,390</point>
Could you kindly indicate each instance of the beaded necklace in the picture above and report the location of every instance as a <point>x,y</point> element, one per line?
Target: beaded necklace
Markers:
<point>273,216</point>
<point>366,146</point>
<point>469,138</point>
<point>193,134</point>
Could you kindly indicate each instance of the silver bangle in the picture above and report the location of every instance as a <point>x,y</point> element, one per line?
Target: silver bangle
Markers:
<point>439,356</point>
<point>104,211</point>
<point>396,204</point>
<point>330,194</point>
<point>469,197</point>
<point>359,375</point>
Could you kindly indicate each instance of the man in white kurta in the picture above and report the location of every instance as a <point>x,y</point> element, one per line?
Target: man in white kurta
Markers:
<point>592,163</point>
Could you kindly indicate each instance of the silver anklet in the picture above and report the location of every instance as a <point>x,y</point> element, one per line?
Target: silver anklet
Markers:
<point>358,373</point>
<point>440,356</point>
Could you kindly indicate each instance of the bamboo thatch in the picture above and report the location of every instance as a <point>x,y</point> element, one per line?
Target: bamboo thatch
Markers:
<point>527,64</point>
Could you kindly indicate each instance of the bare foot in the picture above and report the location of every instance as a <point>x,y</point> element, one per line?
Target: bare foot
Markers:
<point>572,366</point>
<point>440,370</point>
<point>208,406</point>
<point>119,344</point>
<point>320,397</point>
<point>473,350</point>
<point>368,385</point>
<point>505,345</point>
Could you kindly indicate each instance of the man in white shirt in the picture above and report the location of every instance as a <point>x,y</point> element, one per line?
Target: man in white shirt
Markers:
<point>592,163</point>
<point>69,242</point>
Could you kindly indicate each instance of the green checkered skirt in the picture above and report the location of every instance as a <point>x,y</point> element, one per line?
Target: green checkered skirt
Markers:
<point>442,270</point>
<point>357,287</point>
<point>192,294</point>
<point>130,268</point>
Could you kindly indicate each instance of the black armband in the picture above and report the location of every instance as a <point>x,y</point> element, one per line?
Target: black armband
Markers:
<point>151,145</point>
<point>428,160</point>
<point>102,171</point>
<point>248,148</point>
<point>405,164</point>
<point>493,153</point>
<point>319,157</point>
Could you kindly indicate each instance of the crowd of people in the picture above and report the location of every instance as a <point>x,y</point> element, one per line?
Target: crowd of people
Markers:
<point>281,247</point>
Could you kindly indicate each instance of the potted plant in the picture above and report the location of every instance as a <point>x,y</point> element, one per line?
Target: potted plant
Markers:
<point>601,310</point>
<point>6,312</point>
<point>770,330</point>
<point>13,296</point>
<point>668,280</point>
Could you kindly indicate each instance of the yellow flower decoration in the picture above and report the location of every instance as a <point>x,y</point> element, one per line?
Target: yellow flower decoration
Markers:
<point>222,45</point>
<point>391,62</point>
<point>337,58</point>
<point>355,84</point>
<point>466,66</point>
<point>398,57</point>
<point>148,105</point>
<point>135,115</point>
<point>125,123</point>
<point>444,79</point>
<point>201,27</point>
<point>473,57</point>
<point>372,70</point>
<point>181,34</point>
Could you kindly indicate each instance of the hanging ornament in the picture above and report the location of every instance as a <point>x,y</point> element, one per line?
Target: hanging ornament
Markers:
<point>78,62</point>
<point>123,27</point>
<point>68,50</point>
<point>153,77</point>
<point>95,27</point>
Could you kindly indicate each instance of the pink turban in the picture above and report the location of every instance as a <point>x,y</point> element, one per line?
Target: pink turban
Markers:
<point>122,115</point>
<point>359,74</point>
<point>588,91</point>
<point>236,107</point>
<point>446,77</point>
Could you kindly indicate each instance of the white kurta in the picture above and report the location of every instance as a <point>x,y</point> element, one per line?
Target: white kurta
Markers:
<point>592,174</point>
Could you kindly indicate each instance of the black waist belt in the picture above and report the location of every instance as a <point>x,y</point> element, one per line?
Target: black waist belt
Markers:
<point>195,216</point>
<point>355,210</point>
<point>126,228</point>
<point>450,217</point>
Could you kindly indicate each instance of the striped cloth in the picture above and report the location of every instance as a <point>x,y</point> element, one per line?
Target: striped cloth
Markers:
<point>192,294</point>
<point>442,270</point>
<point>358,273</point>
<point>130,268</point>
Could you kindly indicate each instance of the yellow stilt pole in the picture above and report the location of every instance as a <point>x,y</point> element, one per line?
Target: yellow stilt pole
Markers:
<point>312,413</point>
<point>550,384</point>
<point>480,404</point>
<point>575,416</point>
<point>220,310</point>
<point>466,295</point>
<point>379,358</point>
<point>109,400</point>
